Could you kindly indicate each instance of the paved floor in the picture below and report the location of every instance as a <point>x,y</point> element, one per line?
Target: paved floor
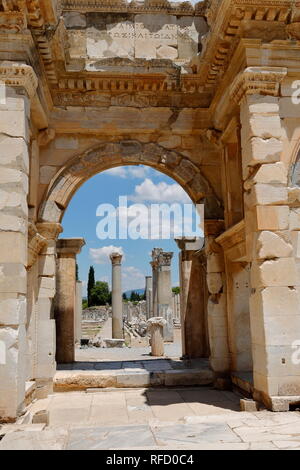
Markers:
<point>194,418</point>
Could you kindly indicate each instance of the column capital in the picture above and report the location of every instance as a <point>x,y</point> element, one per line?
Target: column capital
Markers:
<point>116,258</point>
<point>257,81</point>
<point>18,75</point>
<point>69,246</point>
<point>49,230</point>
<point>189,243</point>
<point>165,258</point>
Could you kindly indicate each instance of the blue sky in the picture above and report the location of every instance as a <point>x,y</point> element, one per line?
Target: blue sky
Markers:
<point>142,185</point>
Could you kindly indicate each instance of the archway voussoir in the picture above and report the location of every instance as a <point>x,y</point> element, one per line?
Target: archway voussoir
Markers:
<point>130,148</point>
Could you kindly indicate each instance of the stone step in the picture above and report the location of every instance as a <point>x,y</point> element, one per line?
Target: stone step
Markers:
<point>70,380</point>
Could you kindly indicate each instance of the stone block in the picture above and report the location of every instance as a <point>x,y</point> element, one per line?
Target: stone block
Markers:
<point>13,278</point>
<point>267,194</point>
<point>258,150</point>
<point>13,247</point>
<point>279,272</point>
<point>214,282</point>
<point>270,245</point>
<point>262,125</point>
<point>271,173</point>
<point>13,178</point>
<point>250,406</point>
<point>170,142</point>
<point>47,288</point>
<point>12,310</point>
<point>41,417</point>
<point>279,330</point>
<point>47,265</point>
<point>259,104</point>
<point>295,240</point>
<point>14,153</point>
<point>133,379</point>
<point>275,360</point>
<point>272,217</point>
<point>294,220</point>
<point>186,377</point>
<point>13,223</point>
<point>275,301</point>
<point>289,108</point>
<point>215,263</point>
<point>14,124</point>
<point>47,173</point>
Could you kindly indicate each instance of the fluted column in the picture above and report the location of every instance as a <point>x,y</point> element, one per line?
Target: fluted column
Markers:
<point>164,294</point>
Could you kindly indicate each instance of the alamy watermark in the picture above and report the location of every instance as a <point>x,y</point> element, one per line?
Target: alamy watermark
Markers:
<point>149,222</point>
<point>296,92</point>
<point>296,353</point>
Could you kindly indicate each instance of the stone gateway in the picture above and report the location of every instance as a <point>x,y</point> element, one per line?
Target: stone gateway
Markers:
<point>208,95</point>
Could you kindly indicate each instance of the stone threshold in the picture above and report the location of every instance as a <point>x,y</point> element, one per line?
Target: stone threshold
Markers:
<point>125,378</point>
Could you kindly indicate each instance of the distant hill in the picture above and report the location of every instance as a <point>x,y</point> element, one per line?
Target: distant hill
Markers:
<point>138,291</point>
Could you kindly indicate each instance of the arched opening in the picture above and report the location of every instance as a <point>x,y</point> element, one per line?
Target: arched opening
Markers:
<point>142,186</point>
<point>114,157</point>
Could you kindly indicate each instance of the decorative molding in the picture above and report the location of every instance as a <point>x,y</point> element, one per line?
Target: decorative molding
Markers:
<point>146,6</point>
<point>233,236</point>
<point>19,75</point>
<point>294,30</point>
<point>49,230</point>
<point>36,243</point>
<point>257,81</point>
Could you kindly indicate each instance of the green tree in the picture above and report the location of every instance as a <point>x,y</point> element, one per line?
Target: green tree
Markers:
<point>176,290</point>
<point>125,296</point>
<point>77,272</point>
<point>100,294</point>
<point>91,285</point>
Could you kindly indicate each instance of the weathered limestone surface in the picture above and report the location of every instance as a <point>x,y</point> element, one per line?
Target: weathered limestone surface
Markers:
<point>156,330</point>
<point>164,294</point>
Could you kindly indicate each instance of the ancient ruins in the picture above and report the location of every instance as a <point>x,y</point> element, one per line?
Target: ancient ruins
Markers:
<point>208,94</point>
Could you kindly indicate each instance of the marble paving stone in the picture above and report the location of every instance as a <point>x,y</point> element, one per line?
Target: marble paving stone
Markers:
<point>36,440</point>
<point>194,434</point>
<point>118,437</point>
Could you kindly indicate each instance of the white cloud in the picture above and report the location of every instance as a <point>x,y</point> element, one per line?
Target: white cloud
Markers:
<point>119,171</point>
<point>138,172</point>
<point>101,255</point>
<point>161,192</point>
<point>132,278</point>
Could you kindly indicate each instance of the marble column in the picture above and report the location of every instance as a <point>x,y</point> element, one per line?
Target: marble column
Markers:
<point>149,304</point>
<point>65,300</point>
<point>78,312</point>
<point>117,302</point>
<point>154,265</point>
<point>156,330</point>
<point>164,294</point>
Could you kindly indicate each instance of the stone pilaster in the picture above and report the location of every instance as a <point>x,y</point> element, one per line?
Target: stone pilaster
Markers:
<point>47,234</point>
<point>18,85</point>
<point>117,302</point>
<point>274,301</point>
<point>164,293</point>
<point>217,302</point>
<point>193,299</point>
<point>65,299</point>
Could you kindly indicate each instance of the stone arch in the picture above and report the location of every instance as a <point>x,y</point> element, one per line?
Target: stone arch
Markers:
<point>127,152</point>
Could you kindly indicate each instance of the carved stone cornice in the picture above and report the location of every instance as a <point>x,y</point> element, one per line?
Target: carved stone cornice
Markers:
<point>257,81</point>
<point>17,15</point>
<point>49,230</point>
<point>36,243</point>
<point>124,6</point>
<point>231,20</point>
<point>294,30</point>
<point>19,75</point>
